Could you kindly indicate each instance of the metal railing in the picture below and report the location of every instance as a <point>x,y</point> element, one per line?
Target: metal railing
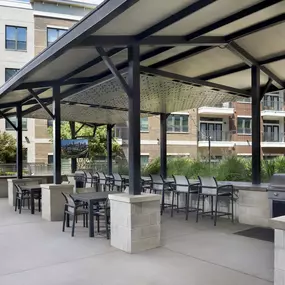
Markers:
<point>272,137</point>
<point>272,105</point>
<point>215,135</point>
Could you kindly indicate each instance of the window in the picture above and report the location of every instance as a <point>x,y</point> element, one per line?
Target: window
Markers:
<point>9,72</point>
<point>244,125</point>
<point>9,127</point>
<point>25,154</point>
<point>211,128</point>
<point>16,38</point>
<point>144,124</point>
<point>271,131</point>
<point>177,123</point>
<point>49,123</point>
<point>271,102</point>
<point>50,158</point>
<point>53,34</point>
<point>144,160</point>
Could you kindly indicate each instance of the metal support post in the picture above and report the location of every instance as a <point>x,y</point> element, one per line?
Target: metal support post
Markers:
<point>73,136</point>
<point>163,147</point>
<point>19,142</point>
<point>109,148</point>
<point>134,121</point>
<point>255,109</point>
<point>209,148</point>
<point>56,135</point>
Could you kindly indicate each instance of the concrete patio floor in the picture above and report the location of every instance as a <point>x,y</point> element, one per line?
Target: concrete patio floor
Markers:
<point>36,252</point>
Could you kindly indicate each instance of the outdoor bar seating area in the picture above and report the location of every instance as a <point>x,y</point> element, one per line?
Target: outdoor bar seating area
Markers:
<point>90,201</point>
<point>129,59</point>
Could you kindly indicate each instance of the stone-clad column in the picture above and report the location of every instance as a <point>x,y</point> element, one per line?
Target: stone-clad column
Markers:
<point>278,224</point>
<point>135,222</point>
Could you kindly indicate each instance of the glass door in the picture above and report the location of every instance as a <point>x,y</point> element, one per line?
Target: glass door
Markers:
<point>203,132</point>
<point>271,133</point>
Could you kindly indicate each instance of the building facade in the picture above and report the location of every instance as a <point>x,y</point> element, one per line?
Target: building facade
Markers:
<point>218,131</point>
<point>26,29</point>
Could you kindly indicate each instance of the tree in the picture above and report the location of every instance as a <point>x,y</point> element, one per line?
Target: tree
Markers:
<point>8,148</point>
<point>97,146</point>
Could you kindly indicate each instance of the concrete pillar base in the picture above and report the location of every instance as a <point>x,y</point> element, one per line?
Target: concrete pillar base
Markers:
<point>278,224</point>
<point>53,201</point>
<point>12,188</point>
<point>135,222</point>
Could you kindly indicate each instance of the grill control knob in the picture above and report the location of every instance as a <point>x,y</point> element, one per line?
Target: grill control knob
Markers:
<point>275,194</point>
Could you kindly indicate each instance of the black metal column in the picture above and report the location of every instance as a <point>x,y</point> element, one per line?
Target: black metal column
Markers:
<point>134,121</point>
<point>163,147</point>
<point>109,148</point>
<point>255,110</point>
<point>73,136</point>
<point>19,143</point>
<point>56,135</point>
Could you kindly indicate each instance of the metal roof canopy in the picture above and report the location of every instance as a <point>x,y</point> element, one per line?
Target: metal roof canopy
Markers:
<point>175,55</point>
<point>187,47</point>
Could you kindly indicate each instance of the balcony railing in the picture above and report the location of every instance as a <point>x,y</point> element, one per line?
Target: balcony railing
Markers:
<point>215,136</point>
<point>272,137</point>
<point>273,105</point>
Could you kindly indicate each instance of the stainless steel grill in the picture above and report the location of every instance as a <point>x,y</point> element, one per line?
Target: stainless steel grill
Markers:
<point>276,194</point>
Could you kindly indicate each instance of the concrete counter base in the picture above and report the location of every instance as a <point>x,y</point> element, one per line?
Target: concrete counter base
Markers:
<point>278,224</point>
<point>21,182</point>
<point>135,222</point>
<point>53,200</point>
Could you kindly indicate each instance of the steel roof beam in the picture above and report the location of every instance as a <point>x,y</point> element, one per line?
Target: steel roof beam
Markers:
<point>102,41</point>
<point>234,36</point>
<point>250,60</point>
<point>192,8</point>
<point>9,121</point>
<point>95,20</point>
<point>41,103</point>
<point>114,70</point>
<point>241,67</point>
<point>194,81</point>
<point>265,89</point>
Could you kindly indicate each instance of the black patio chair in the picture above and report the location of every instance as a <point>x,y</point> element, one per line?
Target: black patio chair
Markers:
<point>73,209</point>
<point>209,188</point>
<point>158,185</point>
<point>103,211</point>
<point>21,197</point>
<point>89,181</point>
<point>181,186</point>
<point>117,182</point>
<point>103,181</point>
<point>80,178</point>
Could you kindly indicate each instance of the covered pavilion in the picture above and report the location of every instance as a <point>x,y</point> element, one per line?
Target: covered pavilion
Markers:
<point>129,58</point>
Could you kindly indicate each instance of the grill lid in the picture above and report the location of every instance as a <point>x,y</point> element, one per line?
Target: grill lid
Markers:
<point>277,182</point>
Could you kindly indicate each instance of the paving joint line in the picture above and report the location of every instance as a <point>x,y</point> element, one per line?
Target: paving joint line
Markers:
<point>210,262</point>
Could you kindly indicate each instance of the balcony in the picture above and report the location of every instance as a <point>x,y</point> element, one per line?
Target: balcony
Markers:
<point>223,109</point>
<point>272,108</point>
<point>272,139</point>
<point>217,138</point>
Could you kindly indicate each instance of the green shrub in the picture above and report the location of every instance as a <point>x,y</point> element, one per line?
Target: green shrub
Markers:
<point>279,164</point>
<point>232,168</point>
<point>152,168</point>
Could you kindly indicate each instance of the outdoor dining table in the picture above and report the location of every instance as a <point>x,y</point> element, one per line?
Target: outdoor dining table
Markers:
<point>92,198</point>
<point>33,189</point>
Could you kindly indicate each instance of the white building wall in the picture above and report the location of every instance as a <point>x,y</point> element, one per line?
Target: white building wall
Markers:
<point>16,13</point>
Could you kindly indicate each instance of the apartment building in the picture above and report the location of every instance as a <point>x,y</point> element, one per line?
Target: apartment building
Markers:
<point>16,49</point>
<point>220,131</point>
<point>27,28</point>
